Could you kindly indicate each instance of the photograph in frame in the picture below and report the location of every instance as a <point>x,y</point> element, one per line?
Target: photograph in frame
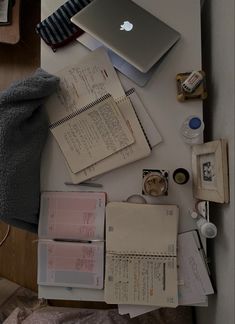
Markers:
<point>210,171</point>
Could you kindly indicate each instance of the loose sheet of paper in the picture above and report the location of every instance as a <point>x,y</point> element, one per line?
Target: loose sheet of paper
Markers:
<point>80,84</point>
<point>192,272</point>
<point>93,134</point>
<point>146,121</point>
<point>135,310</point>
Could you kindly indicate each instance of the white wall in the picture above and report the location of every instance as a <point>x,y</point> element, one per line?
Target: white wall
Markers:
<point>218,61</point>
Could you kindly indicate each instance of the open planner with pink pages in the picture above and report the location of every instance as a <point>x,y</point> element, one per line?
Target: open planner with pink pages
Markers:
<point>71,239</point>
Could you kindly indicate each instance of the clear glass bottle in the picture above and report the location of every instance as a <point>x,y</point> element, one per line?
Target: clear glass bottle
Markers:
<point>192,130</point>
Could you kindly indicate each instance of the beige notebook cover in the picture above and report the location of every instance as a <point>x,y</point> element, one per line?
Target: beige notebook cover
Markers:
<point>141,263</point>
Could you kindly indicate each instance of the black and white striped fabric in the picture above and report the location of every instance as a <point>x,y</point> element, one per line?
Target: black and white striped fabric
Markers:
<point>57,30</point>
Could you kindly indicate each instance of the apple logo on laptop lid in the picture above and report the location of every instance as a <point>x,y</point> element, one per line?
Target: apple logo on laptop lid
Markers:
<point>127,26</point>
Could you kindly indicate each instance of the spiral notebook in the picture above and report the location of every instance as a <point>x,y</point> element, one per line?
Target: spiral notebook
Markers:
<point>92,133</point>
<point>141,257</point>
<point>140,149</point>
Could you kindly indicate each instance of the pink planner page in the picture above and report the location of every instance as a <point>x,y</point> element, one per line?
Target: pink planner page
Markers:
<point>72,215</point>
<point>71,264</point>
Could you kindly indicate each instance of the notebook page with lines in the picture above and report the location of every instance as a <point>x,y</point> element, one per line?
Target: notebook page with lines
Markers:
<point>92,133</point>
<point>141,256</point>
<point>140,149</point>
<point>82,83</point>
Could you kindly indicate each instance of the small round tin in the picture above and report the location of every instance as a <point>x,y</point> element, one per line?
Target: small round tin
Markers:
<point>181,176</point>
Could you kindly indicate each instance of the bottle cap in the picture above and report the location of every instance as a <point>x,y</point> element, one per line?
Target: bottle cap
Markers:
<point>194,215</point>
<point>195,123</point>
<point>208,230</point>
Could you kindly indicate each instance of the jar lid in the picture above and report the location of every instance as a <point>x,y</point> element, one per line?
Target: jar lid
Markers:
<point>195,123</point>
<point>194,215</point>
<point>181,176</point>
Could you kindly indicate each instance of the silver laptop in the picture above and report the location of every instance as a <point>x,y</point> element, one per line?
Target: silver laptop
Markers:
<point>128,30</point>
<point>119,63</point>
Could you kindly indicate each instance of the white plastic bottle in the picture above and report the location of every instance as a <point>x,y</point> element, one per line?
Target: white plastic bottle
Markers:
<point>192,130</point>
<point>206,228</point>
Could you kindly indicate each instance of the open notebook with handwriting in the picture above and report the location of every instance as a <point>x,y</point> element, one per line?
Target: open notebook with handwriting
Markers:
<point>96,124</point>
<point>141,255</point>
<point>92,133</point>
<point>71,239</point>
<point>141,148</point>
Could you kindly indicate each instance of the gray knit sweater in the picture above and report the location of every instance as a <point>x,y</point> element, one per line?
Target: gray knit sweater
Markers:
<point>23,132</point>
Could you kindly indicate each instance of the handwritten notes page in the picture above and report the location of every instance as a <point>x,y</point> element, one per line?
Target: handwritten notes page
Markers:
<point>71,264</point>
<point>80,84</point>
<point>72,215</point>
<point>136,151</point>
<point>93,134</point>
<point>140,280</point>
<point>141,271</point>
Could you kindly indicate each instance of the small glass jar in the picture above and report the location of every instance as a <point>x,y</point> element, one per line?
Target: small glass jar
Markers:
<point>155,184</point>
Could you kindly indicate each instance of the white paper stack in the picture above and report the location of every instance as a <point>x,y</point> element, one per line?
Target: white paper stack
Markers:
<point>194,282</point>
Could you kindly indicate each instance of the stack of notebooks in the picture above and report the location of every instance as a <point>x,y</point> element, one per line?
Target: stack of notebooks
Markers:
<point>96,124</point>
<point>193,276</point>
<point>138,271</point>
<point>147,263</point>
<point>141,254</point>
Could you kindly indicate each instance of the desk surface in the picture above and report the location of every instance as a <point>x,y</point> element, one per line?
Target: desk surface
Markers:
<point>159,98</point>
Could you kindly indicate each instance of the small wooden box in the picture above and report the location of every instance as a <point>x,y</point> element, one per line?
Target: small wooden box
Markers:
<point>199,93</point>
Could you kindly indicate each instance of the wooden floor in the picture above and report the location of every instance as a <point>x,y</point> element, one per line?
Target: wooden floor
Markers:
<point>18,255</point>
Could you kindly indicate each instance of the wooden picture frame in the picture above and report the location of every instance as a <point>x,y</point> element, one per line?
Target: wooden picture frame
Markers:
<point>210,171</point>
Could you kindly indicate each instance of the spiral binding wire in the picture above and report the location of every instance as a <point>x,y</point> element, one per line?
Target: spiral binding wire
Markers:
<point>78,112</point>
<point>142,257</point>
<point>143,253</point>
<point>142,129</point>
<point>130,91</point>
<point>92,104</point>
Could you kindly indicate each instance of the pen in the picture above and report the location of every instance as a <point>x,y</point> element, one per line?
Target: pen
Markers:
<point>87,184</point>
